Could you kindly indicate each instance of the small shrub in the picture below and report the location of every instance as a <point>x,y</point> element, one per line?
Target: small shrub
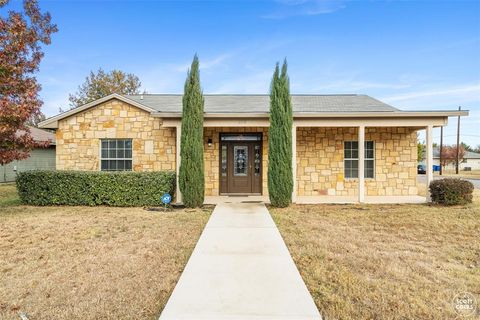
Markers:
<point>121,189</point>
<point>451,191</point>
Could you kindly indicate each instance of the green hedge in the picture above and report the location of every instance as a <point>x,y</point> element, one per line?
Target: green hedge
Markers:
<point>451,191</point>
<point>122,189</point>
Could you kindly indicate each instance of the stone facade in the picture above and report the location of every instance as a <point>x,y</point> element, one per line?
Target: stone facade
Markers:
<point>212,157</point>
<point>320,162</point>
<point>78,138</point>
<point>320,154</point>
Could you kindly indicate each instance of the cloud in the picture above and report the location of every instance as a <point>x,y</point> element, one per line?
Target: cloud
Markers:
<point>452,96</point>
<point>204,64</point>
<point>289,8</point>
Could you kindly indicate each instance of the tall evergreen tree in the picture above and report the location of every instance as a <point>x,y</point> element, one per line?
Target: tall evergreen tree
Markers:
<point>191,175</point>
<point>280,175</point>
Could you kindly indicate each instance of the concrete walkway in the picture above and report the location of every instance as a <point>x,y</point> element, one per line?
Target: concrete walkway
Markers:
<point>240,269</point>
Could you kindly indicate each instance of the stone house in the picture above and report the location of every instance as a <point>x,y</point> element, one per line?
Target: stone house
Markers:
<point>348,148</point>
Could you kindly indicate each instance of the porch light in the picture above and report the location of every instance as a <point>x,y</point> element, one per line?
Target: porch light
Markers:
<point>209,141</point>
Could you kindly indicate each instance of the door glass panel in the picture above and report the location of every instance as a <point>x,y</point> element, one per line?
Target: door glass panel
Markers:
<point>224,161</point>
<point>240,160</point>
<point>258,160</point>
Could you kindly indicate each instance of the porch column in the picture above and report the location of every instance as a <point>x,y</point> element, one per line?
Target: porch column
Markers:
<point>429,165</point>
<point>361,164</point>
<point>178,194</point>
<point>294,162</point>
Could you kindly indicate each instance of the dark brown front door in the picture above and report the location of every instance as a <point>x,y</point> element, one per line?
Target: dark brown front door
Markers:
<point>241,164</point>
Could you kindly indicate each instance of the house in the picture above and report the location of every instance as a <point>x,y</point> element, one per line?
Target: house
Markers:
<point>470,161</point>
<point>347,148</point>
<point>40,158</point>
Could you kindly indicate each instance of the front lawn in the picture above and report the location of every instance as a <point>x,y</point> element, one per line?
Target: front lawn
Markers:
<point>8,195</point>
<point>385,261</point>
<point>91,262</point>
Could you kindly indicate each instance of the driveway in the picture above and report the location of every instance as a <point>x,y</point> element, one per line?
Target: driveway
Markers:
<point>423,179</point>
<point>240,269</point>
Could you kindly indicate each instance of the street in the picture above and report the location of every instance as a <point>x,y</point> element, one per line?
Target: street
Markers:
<point>423,179</point>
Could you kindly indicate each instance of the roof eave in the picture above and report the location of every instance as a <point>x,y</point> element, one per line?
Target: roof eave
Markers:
<point>365,114</point>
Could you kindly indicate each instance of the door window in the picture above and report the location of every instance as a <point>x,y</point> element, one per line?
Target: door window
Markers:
<point>240,160</point>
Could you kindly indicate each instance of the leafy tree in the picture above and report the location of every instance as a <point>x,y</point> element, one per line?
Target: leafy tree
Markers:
<point>449,155</point>
<point>466,147</point>
<point>280,176</point>
<point>101,84</point>
<point>477,149</point>
<point>420,151</point>
<point>191,175</point>
<point>22,35</point>
<point>36,119</point>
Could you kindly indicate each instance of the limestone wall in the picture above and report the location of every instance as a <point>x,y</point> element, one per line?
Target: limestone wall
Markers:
<point>78,138</point>
<point>212,157</point>
<point>320,161</point>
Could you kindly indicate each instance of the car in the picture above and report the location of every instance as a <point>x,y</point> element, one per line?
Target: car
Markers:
<point>421,169</point>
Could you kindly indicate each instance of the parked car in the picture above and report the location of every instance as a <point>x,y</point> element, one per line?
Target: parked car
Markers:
<point>421,169</point>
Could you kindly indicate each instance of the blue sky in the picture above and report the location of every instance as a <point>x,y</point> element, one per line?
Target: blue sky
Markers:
<point>415,55</point>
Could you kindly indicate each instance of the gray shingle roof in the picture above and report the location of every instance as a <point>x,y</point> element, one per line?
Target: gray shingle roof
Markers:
<point>224,103</point>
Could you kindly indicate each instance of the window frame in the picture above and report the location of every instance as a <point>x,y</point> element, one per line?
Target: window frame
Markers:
<point>358,159</point>
<point>116,149</point>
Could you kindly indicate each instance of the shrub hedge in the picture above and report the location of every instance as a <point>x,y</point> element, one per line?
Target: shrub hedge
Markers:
<point>450,191</point>
<point>121,189</point>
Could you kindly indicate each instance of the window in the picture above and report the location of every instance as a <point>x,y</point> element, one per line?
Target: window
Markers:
<point>351,159</point>
<point>116,155</point>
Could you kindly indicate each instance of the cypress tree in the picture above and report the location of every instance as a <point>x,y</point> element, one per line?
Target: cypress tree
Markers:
<point>280,176</point>
<point>191,175</point>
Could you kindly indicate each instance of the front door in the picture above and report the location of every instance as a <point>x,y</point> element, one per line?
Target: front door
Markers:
<point>241,164</point>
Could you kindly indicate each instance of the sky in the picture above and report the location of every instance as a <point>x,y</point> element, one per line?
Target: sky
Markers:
<point>414,55</point>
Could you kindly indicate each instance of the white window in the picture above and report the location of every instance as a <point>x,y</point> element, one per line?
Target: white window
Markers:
<point>351,159</point>
<point>116,155</point>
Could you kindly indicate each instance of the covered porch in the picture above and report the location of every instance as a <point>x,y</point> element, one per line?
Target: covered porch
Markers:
<point>309,162</point>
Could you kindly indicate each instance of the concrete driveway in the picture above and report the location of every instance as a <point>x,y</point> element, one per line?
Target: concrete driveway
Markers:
<point>240,269</point>
<point>423,179</point>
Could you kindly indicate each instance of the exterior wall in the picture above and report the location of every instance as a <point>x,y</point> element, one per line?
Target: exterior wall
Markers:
<point>474,164</point>
<point>39,159</point>
<point>78,138</point>
<point>320,165</point>
<point>212,157</point>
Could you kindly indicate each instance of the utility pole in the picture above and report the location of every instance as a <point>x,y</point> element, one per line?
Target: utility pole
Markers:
<point>458,141</point>
<point>441,149</point>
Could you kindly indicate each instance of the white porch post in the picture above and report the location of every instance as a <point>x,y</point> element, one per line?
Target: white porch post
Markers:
<point>294,162</point>
<point>361,164</point>
<point>429,164</point>
<point>178,193</point>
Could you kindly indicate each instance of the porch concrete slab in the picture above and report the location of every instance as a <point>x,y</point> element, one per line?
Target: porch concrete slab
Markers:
<point>368,199</point>
<point>235,199</point>
<point>240,269</point>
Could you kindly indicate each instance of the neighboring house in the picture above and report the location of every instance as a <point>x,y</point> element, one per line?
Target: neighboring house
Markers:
<point>40,158</point>
<point>142,133</point>
<point>470,161</point>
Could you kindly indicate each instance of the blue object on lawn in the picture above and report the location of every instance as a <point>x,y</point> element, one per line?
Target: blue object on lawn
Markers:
<point>436,168</point>
<point>166,198</point>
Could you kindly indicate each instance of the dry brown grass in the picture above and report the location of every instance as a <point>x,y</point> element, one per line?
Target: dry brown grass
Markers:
<point>475,174</point>
<point>385,261</point>
<point>92,263</point>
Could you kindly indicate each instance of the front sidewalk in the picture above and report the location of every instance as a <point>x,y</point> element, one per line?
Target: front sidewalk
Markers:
<point>240,269</point>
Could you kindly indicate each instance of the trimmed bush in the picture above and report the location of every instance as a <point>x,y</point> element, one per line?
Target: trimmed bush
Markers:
<point>87,188</point>
<point>451,191</point>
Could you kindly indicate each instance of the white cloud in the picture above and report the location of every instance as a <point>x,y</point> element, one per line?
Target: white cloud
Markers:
<point>289,8</point>
<point>464,90</point>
